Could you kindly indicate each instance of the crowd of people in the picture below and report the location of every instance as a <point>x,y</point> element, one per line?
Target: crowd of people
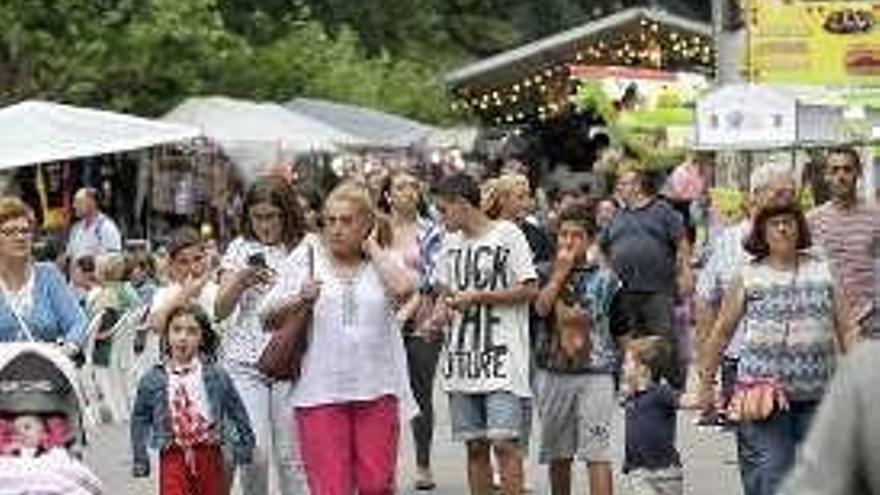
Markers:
<point>552,317</point>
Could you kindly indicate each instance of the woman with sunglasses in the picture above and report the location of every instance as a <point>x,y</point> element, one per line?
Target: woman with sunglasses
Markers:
<point>36,302</point>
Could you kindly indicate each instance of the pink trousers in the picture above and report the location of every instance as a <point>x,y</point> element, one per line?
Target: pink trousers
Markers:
<point>350,447</point>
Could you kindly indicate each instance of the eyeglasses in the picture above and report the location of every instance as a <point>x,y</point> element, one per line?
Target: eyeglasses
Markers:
<point>16,231</point>
<point>782,223</point>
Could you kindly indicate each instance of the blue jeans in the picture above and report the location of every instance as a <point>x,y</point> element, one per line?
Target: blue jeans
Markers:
<point>766,449</point>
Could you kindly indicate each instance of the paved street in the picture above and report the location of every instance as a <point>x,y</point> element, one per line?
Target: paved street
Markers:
<point>708,456</point>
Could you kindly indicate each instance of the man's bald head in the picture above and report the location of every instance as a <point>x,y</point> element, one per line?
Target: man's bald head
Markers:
<point>85,202</point>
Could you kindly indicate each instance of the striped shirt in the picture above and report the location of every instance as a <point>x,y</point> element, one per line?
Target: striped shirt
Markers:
<point>848,238</point>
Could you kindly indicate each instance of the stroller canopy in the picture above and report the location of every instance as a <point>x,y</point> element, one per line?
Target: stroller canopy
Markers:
<point>36,378</point>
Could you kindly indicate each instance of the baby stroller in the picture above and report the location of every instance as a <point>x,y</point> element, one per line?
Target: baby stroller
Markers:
<point>41,423</point>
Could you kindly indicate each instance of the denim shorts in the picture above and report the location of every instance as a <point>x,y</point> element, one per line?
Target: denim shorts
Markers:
<point>491,416</point>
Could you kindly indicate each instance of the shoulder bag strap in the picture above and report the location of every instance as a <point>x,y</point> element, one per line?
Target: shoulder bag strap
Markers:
<point>24,328</point>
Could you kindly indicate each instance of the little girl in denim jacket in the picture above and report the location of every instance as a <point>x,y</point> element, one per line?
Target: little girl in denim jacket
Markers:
<point>188,409</point>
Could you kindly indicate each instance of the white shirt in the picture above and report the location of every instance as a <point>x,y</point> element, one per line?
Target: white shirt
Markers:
<point>244,338</point>
<point>22,300</point>
<point>194,384</point>
<point>205,300</point>
<point>356,349</point>
<point>93,238</point>
<point>487,348</point>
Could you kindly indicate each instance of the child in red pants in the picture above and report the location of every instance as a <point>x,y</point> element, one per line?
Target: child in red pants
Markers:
<point>184,406</point>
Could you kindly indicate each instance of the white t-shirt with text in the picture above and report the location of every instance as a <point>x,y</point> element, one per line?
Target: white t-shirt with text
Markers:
<point>487,347</point>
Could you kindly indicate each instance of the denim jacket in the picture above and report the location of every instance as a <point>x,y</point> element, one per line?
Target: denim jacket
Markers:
<point>151,416</point>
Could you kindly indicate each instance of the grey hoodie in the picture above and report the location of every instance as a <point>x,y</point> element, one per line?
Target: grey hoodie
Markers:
<point>841,455</point>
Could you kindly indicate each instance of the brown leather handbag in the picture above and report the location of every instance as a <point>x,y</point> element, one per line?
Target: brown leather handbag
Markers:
<point>282,357</point>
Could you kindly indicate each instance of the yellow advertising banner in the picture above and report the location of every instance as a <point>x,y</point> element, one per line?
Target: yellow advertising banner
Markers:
<point>814,42</point>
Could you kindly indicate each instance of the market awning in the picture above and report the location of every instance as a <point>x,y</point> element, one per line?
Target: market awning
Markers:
<point>254,135</point>
<point>564,46</point>
<point>34,132</point>
<point>373,127</point>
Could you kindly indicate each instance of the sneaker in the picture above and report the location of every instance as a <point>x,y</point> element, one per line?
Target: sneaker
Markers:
<point>424,480</point>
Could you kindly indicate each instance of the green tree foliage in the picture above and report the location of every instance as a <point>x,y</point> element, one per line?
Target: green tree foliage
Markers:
<point>145,56</point>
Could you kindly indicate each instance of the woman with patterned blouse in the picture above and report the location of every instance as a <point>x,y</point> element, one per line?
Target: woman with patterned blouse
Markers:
<point>795,320</point>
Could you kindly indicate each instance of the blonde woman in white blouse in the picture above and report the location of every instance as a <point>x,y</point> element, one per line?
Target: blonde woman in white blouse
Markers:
<point>353,392</point>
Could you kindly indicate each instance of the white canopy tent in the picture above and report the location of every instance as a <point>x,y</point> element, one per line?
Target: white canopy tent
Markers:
<point>375,128</point>
<point>254,135</point>
<point>33,132</point>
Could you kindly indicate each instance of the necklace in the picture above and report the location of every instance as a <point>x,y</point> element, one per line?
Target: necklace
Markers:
<point>348,276</point>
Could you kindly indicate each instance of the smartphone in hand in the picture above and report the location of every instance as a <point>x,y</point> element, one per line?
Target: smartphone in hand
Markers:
<point>257,260</point>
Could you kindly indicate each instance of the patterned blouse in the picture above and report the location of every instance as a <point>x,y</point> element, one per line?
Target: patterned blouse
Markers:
<point>790,326</point>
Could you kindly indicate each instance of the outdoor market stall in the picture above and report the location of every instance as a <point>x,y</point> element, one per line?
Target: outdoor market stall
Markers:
<point>256,135</point>
<point>51,136</point>
<point>33,132</point>
<point>536,91</point>
<point>373,128</point>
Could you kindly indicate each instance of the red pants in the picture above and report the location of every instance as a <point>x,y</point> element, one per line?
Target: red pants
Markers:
<point>350,447</point>
<point>204,474</point>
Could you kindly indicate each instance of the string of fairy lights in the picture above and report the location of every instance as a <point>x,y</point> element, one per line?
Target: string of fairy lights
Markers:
<point>546,91</point>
